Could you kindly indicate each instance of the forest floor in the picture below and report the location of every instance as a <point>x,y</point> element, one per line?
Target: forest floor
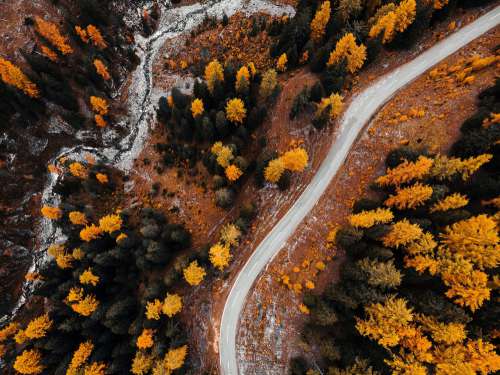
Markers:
<point>192,202</point>
<point>270,328</point>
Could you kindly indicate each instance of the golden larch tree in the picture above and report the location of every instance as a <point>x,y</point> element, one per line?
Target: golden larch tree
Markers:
<point>274,170</point>
<point>410,197</point>
<point>394,21</point>
<point>268,83</point>
<point>450,202</point>
<point>242,80</point>
<point>333,103</point>
<point>145,339</point>
<point>78,170</point>
<point>52,213</point>
<point>402,233</point>
<point>236,111</point>
<point>233,173</point>
<point>230,235</point>
<point>141,364</point>
<point>194,274</point>
<point>197,107</point>
<point>38,327</point>
<point>346,48</point>
<point>282,62</point>
<point>90,232</point>
<point>51,32</point>
<point>101,69</point>
<point>85,306</point>
<point>96,37</point>
<point>13,76</point>
<point>88,278</point>
<point>174,359</point>
<point>367,219</point>
<point>153,309</point>
<point>172,305</point>
<point>95,368</point>
<point>406,172</point>
<point>319,22</point>
<point>110,223</point>
<point>99,105</point>
<point>77,218</point>
<point>220,255</point>
<point>295,160</point>
<point>213,73</point>
<point>81,354</point>
<point>29,362</point>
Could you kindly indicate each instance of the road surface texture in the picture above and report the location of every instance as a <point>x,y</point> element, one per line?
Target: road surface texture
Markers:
<point>357,115</point>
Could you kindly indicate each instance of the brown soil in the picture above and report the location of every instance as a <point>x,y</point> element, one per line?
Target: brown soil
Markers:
<point>269,334</point>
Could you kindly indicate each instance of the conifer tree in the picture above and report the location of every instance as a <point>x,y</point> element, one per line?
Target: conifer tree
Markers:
<point>347,48</point>
<point>213,73</point>
<point>319,22</point>
<point>51,32</point>
<point>13,76</point>
<point>236,111</point>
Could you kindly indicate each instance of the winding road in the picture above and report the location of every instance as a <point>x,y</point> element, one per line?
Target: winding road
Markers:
<point>358,114</point>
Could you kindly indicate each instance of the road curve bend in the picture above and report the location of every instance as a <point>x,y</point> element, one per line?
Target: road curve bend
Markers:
<point>357,115</point>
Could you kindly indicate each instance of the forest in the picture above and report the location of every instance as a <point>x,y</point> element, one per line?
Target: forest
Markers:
<point>418,291</point>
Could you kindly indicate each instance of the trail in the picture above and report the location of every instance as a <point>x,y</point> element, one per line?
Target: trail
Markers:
<point>143,97</point>
<point>363,107</point>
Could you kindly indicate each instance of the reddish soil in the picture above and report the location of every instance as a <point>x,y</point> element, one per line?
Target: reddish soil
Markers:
<point>270,329</point>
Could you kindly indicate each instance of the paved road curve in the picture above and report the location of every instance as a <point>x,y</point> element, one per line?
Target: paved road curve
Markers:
<point>357,115</point>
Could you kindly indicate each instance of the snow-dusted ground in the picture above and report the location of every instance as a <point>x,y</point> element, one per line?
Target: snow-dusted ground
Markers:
<point>356,116</point>
<point>142,98</point>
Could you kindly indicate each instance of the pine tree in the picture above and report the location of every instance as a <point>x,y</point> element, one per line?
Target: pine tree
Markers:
<point>220,256</point>
<point>213,73</point>
<point>172,305</point>
<point>295,160</point>
<point>347,48</point>
<point>319,22</point>
<point>13,76</point>
<point>51,32</point>
<point>236,111</point>
<point>410,197</point>
<point>380,274</point>
<point>367,219</point>
<point>194,274</point>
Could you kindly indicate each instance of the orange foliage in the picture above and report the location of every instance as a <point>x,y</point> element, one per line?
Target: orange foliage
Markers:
<point>13,76</point>
<point>51,32</point>
<point>28,362</point>
<point>90,232</point>
<point>77,218</point>
<point>145,340</point>
<point>102,70</point>
<point>78,170</point>
<point>110,223</point>
<point>52,213</point>
<point>38,327</point>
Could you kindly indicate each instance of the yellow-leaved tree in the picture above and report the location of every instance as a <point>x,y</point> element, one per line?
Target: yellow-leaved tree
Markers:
<point>235,110</point>
<point>194,274</point>
<point>347,48</point>
<point>153,309</point>
<point>174,359</point>
<point>274,170</point>
<point>296,159</point>
<point>13,76</point>
<point>81,355</point>
<point>172,304</point>
<point>242,80</point>
<point>142,363</point>
<point>333,104</point>
<point>402,233</point>
<point>410,197</point>
<point>38,327</point>
<point>233,173</point>
<point>145,339</point>
<point>52,213</point>
<point>88,278</point>
<point>367,219</point>
<point>77,218</point>
<point>51,32</point>
<point>268,83</point>
<point>450,202</point>
<point>213,73</point>
<point>320,20</point>
<point>197,107</point>
<point>396,20</point>
<point>220,255</point>
<point>282,63</point>
<point>110,223</point>
<point>29,362</point>
<point>224,154</point>
<point>406,172</point>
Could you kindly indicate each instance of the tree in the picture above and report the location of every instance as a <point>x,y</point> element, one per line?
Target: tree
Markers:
<point>406,172</point>
<point>213,74</point>
<point>402,233</point>
<point>102,178</point>
<point>242,80</point>
<point>450,202</point>
<point>100,121</point>
<point>268,83</point>
<point>81,355</point>
<point>95,368</point>
<point>78,170</point>
<point>38,327</point>
<point>387,323</point>
<point>281,63</point>
<point>90,232</point>
<point>197,107</point>
<point>380,274</point>
<point>141,364</point>
<point>319,22</point>
<point>220,255</point>
<point>295,160</point>
<point>476,239</point>
<point>96,37</point>
<point>145,340</point>
<point>101,69</point>
<point>347,48</point>
<point>87,277</point>
<point>51,32</point>
<point>331,105</point>
<point>172,304</point>
<point>13,76</point>
<point>274,170</point>
<point>230,235</point>
<point>29,362</point>
<point>52,213</point>
<point>174,359</point>
<point>396,20</point>
<point>235,110</point>
<point>194,274</point>
<point>8,331</point>
<point>410,197</point>
<point>77,218</point>
<point>85,306</point>
<point>367,219</point>
<point>99,105</point>
<point>82,33</point>
<point>153,309</point>
<point>233,173</point>
<point>110,223</point>
<point>224,154</point>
